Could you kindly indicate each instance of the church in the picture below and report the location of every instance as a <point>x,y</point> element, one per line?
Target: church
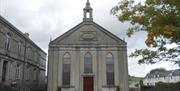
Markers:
<point>87,58</point>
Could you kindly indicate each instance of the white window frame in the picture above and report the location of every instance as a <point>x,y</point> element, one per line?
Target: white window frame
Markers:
<point>7,41</point>
<point>88,57</point>
<point>110,74</point>
<point>18,71</point>
<point>66,74</point>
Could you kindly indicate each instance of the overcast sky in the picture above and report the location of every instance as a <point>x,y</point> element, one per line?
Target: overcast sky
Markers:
<point>45,19</point>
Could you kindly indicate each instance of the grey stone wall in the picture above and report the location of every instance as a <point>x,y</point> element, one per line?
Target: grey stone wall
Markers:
<point>30,58</point>
<point>77,67</point>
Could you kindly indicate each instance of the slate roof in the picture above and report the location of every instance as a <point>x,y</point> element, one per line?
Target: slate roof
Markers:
<point>12,27</point>
<point>158,74</point>
<point>163,73</point>
<point>176,72</point>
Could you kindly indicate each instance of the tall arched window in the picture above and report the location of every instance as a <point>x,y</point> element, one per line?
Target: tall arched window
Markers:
<point>110,69</point>
<point>66,69</point>
<point>88,63</point>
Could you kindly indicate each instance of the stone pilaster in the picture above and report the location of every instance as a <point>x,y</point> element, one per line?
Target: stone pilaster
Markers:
<point>1,68</point>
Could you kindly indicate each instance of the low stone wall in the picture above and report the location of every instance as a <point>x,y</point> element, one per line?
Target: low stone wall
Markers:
<point>40,89</point>
<point>154,89</point>
<point>160,89</point>
<point>4,87</point>
<point>134,89</point>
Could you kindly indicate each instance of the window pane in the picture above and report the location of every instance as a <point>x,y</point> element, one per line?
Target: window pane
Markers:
<point>88,69</point>
<point>7,42</point>
<point>88,63</point>
<point>110,69</point>
<point>66,60</point>
<point>110,78</point>
<point>109,60</point>
<point>66,78</point>
<point>66,69</point>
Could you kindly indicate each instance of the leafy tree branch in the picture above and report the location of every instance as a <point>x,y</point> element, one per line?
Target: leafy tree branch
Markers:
<point>161,20</point>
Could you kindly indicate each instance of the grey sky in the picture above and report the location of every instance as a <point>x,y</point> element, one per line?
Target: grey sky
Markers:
<point>43,19</point>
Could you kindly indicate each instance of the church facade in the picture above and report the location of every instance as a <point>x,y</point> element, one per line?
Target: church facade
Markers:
<point>87,58</point>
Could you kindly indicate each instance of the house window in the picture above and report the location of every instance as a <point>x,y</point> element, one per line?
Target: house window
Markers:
<point>30,52</point>
<point>110,69</point>
<point>7,41</point>
<point>88,63</point>
<point>18,67</point>
<point>66,69</point>
<point>35,74</point>
<point>19,47</point>
<point>27,73</point>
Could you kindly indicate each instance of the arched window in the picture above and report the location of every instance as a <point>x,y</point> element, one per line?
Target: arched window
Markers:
<point>110,69</point>
<point>88,63</point>
<point>66,69</point>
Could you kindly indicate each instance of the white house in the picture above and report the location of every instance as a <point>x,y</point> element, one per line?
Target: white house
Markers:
<point>172,76</point>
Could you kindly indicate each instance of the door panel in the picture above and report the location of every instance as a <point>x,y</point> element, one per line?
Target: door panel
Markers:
<point>88,84</point>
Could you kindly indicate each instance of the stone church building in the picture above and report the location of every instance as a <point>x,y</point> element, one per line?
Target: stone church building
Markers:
<point>87,58</point>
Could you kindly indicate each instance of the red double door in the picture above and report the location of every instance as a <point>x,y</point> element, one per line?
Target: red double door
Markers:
<point>88,84</point>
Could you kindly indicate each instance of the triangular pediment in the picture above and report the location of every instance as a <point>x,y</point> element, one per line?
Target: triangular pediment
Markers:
<point>88,33</point>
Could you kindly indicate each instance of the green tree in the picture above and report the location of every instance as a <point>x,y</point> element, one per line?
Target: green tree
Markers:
<point>161,20</point>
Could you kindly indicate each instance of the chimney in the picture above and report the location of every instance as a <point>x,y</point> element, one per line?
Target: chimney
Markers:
<point>26,35</point>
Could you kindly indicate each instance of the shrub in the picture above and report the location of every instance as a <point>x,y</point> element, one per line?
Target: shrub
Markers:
<point>168,85</point>
<point>59,88</point>
<point>117,88</point>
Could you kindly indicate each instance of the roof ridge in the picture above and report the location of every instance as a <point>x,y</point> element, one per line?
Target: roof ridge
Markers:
<point>70,31</point>
<point>3,20</point>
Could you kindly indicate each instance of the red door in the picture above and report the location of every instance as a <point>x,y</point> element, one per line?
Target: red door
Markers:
<point>88,83</point>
